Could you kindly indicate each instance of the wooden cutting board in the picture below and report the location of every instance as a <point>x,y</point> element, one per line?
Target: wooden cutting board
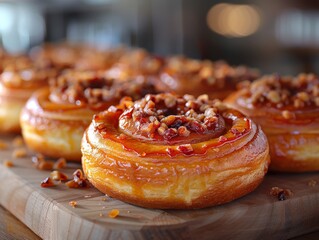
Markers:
<point>258,215</point>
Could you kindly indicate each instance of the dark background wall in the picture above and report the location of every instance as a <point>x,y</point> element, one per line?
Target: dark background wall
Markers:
<point>285,41</point>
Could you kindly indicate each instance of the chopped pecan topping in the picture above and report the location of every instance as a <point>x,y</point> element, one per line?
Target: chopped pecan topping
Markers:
<point>280,92</point>
<point>60,163</point>
<point>95,89</point>
<point>151,115</point>
<point>79,181</point>
<point>47,183</point>
<point>41,163</point>
<point>58,176</point>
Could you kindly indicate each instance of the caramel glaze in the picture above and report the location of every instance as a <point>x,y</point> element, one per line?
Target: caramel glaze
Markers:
<point>161,174</point>
<point>292,128</point>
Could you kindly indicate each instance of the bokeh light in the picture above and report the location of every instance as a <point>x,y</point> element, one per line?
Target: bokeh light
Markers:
<point>233,20</point>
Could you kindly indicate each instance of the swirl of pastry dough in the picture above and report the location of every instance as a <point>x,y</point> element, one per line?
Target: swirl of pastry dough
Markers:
<point>165,151</point>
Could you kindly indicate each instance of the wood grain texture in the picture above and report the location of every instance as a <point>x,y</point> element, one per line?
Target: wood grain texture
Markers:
<point>12,228</point>
<point>256,216</point>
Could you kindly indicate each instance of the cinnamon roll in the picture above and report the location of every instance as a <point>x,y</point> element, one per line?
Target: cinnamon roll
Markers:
<point>287,108</point>
<point>170,152</point>
<point>54,119</point>
<point>18,80</point>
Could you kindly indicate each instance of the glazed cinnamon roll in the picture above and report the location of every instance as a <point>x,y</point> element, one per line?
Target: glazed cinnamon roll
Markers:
<point>134,63</point>
<point>18,80</point>
<point>287,108</point>
<point>189,76</point>
<point>54,119</point>
<point>171,152</point>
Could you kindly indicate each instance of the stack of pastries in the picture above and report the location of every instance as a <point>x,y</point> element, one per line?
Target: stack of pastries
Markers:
<point>153,131</point>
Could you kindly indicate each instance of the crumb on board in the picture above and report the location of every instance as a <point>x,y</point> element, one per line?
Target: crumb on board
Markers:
<point>281,193</point>
<point>19,153</point>
<point>45,165</point>
<point>73,204</point>
<point>312,183</point>
<point>58,176</point>
<point>18,141</point>
<point>3,145</point>
<point>78,181</point>
<point>8,163</point>
<point>60,163</point>
<point>114,213</point>
<point>47,182</point>
<point>41,164</point>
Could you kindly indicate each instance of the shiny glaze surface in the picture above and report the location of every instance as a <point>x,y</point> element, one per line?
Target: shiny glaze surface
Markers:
<point>160,174</point>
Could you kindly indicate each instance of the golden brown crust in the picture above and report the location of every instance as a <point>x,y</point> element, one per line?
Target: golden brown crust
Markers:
<point>51,129</point>
<point>54,119</point>
<point>157,172</point>
<point>287,110</point>
<point>189,76</point>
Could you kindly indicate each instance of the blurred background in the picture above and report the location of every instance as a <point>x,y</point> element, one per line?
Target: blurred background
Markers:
<point>275,36</point>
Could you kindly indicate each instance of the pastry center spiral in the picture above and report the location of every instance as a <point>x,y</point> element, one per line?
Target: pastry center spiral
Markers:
<point>168,118</point>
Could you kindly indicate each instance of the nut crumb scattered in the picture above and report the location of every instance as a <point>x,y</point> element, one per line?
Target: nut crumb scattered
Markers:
<point>8,163</point>
<point>47,183</point>
<point>312,183</point>
<point>45,165</point>
<point>58,176</point>
<point>103,199</point>
<point>281,193</point>
<point>19,153</point>
<point>78,181</point>
<point>60,163</point>
<point>73,204</point>
<point>101,214</point>
<point>114,213</point>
